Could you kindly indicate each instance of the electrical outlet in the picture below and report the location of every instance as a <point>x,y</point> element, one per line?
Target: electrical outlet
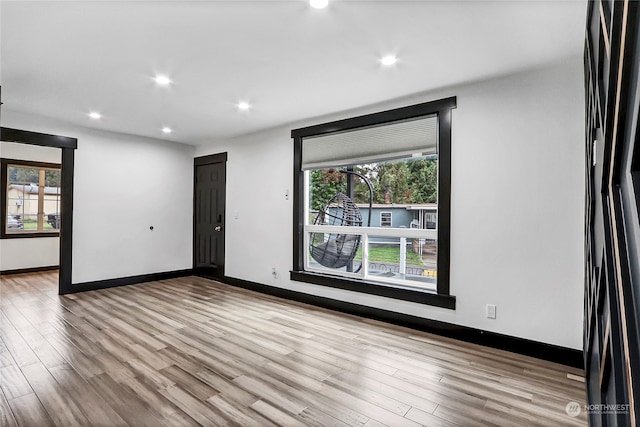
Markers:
<point>491,311</point>
<point>274,273</point>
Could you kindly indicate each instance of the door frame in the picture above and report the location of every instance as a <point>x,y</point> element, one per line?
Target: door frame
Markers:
<point>68,146</point>
<point>201,161</point>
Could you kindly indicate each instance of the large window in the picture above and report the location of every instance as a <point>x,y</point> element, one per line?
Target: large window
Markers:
<point>372,204</point>
<point>31,198</point>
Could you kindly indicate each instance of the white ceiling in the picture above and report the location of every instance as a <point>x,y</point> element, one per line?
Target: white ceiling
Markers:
<point>63,59</point>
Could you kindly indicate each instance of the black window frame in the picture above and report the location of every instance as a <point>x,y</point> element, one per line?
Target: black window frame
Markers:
<point>4,182</point>
<point>442,297</point>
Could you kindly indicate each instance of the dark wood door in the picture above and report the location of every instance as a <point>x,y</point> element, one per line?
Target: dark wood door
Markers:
<point>209,215</point>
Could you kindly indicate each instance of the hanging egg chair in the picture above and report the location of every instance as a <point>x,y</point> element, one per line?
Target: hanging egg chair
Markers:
<point>337,250</point>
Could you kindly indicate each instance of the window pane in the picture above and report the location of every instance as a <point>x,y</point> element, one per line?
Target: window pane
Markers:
<point>51,212</point>
<point>23,175</point>
<point>52,178</point>
<point>403,261</point>
<point>30,222</point>
<point>405,193</point>
<point>25,203</point>
<point>51,205</point>
<point>22,199</point>
<point>14,223</point>
<point>334,252</point>
<point>404,196</point>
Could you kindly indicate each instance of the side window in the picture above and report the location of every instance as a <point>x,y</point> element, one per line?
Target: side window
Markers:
<point>31,195</point>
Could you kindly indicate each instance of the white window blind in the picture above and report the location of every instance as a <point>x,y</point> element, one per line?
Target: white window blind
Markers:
<point>409,138</point>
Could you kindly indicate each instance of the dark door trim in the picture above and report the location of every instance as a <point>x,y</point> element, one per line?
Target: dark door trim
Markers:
<point>213,158</point>
<point>199,161</point>
<point>36,138</point>
<point>68,146</point>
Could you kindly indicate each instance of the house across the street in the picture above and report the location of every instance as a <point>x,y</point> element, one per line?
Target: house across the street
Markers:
<point>22,200</point>
<point>413,215</point>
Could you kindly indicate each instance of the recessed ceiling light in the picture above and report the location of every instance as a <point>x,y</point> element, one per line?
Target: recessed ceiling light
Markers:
<point>95,115</point>
<point>388,60</point>
<point>166,129</point>
<point>244,106</point>
<point>162,80</point>
<point>319,4</point>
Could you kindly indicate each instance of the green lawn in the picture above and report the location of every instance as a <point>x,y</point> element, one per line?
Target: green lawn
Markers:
<point>33,225</point>
<point>390,254</point>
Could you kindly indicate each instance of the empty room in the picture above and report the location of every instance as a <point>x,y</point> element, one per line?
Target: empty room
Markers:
<point>319,213</point>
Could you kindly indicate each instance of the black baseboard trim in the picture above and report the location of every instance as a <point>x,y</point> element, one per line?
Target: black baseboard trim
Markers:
<point>28,270</point>
<point>131,280</point>
<point>553,353</point>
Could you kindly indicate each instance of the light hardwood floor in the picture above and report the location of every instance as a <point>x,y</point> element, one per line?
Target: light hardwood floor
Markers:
<point>191,351</point>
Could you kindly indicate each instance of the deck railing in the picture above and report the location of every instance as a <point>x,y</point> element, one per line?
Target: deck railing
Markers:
<point>376,270</point>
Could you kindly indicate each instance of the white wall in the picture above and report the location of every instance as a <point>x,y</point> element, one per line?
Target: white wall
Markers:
<point>33,252</point>
<point>17,151</point>
<point>516,215</point>
<point>123,185</point>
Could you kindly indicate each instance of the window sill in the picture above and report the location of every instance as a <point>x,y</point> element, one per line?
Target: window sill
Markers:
<point>28,235</point>
<point>373,288</point>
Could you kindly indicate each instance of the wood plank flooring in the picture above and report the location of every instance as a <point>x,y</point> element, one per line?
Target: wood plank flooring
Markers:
<point>191,351</point>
